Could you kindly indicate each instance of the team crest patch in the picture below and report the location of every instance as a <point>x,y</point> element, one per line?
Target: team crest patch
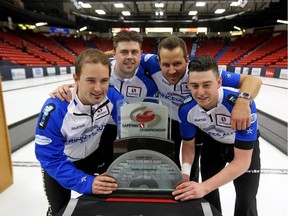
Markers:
<point>100,113</point>
<point>45,115</point>
<point>133,91</point>
<point>223,120</point>
<point>184,88</point>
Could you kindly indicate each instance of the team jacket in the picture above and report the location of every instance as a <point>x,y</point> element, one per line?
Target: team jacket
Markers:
<point>216,122</point>
<point>68,132</point>
<point>179,92</point>
<point>140,85</point>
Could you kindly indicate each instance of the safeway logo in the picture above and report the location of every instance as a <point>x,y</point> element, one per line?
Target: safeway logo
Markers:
<point>144,115</point>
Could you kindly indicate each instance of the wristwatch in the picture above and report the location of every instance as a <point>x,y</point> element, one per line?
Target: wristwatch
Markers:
<point>245,95</point>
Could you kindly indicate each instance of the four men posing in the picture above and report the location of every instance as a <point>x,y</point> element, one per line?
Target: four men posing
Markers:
<point>169,72</point>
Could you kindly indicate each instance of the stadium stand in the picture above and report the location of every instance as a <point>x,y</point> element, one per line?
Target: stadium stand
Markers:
<point>210,47</point>
<point>240,47</point>
<point>103,44</point>
<point>273,52</point>
<point>11,50</point>
<point>258,50</point>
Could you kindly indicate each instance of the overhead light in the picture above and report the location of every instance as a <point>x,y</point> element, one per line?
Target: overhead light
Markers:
<point>77,5</point>
<point>126,13</point>
<point>202,30</point>
<point>100,12</point>
<point>84,5</point>
<point>118,5</point>
<point>159,13</point>
<point>240,3</point>
<point>83,28</point>
<point>283,21</point>
<point>41,24</point>
<point>159,5</point>
<point>192,13</point>
<point>200,4</point>
<point>236,33</point>
<point>159,30</point>
<point>237,28</point>
<point>219,11</point>
<point>235,4</point>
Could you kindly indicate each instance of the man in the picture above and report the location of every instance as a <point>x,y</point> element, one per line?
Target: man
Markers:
<point>68,134</point>
<point>169,71</point>
<point>211,112</point>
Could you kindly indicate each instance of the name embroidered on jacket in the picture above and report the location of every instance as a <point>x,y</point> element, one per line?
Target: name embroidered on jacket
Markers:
<point>87,134</point>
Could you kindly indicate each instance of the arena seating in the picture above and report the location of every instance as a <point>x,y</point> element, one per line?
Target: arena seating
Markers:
<point>11,50</point>
<point>35,54</point>
<point>74,44</point>
<point>210,47</point>
<point>51,51</point>
<point>269,53</point>
<point>240,47</point>
<point>102,44</point>
<point>45,50</point>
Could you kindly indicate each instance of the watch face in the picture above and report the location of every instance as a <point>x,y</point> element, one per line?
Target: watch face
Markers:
<point>245,95</point>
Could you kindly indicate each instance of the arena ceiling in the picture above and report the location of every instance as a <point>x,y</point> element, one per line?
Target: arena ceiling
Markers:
<point>68,13</point>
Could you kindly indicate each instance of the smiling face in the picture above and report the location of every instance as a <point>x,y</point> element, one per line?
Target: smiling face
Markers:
<point>127,56</point>
<point>92,84</point>
<point>173,64</point>
<point>204,87</point>
<point>173,58</point>
<point>92,75</point>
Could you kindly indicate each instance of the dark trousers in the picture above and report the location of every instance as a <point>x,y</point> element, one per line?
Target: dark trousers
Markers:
<point>214,156</point>
<point>177,139</point>
<point>97,162</point>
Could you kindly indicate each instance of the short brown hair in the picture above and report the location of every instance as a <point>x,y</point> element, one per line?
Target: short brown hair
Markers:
<point>91,56</point>
<point>202,64</point>
<point>125,35</point>
<point>171,43</point>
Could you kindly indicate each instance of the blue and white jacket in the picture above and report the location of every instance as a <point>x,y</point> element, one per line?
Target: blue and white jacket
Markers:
<point>216,122</point>
<point>68,132</point>
<point>140,85</point>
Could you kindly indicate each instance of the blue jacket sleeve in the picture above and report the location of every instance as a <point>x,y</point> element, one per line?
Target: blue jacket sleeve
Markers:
<point>148,81</point>
<point>250,134</point>
<point>49,149</point>
<point>150,63</point>
<point>114,95</point>
<point>230,79</point>
<point>187,129</point>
